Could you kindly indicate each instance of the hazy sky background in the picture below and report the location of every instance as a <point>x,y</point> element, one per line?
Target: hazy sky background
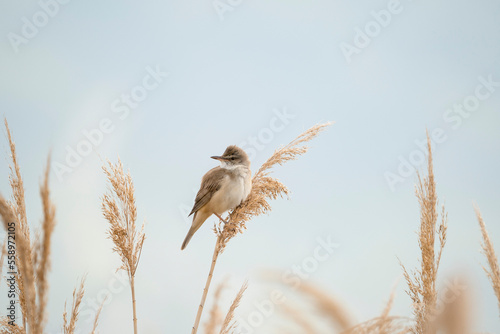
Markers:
<point>226,81</point>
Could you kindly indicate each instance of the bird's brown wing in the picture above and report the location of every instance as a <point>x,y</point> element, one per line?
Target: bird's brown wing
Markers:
<point>210,184</point>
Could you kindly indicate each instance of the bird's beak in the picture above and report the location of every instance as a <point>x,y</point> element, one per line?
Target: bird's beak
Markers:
<point>216,157</point>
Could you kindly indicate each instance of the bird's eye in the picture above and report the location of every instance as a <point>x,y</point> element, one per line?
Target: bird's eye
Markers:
<point>233,158</point>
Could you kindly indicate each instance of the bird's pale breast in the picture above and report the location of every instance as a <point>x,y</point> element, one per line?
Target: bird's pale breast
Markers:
<point>235,188</point>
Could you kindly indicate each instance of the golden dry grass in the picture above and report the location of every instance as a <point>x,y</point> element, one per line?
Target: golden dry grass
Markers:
<point>43,248</point>
<point>32,259</point>
<point>32,254</point>
<point>217,322</point>
<point>5,328</point>
<point>97,317</point>
<point>422,283</point>
<point>24,261</point>
<point>493,271</point>
<point>229,324</point>
<point>69,325</point>
<point>385,313</point>
<point>119,209</point>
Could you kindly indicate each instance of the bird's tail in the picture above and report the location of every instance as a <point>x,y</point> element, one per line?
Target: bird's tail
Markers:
<point>188,237</point>
<point>198,219</point>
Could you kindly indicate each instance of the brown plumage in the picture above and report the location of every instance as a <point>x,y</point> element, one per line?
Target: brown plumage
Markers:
<point>222,188</point>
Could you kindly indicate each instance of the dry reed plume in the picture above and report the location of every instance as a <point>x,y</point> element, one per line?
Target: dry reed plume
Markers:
<point>488,250</point>
<point>97,317</point>
<point>32,257</point>
<point>217,323</point>
<point>264,188</point>
<point>382,324</point>
<point>70,326</point>
<point>119,209</point>
<point>422,283</point>
<point>5,328</point>
<point>229,324</point>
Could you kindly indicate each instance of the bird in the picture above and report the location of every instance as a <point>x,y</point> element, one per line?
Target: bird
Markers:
<point>222,188</point>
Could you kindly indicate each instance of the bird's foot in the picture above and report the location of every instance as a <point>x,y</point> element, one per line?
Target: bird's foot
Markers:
<point>218,216</point>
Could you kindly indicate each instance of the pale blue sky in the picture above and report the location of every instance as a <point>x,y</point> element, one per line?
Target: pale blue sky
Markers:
<point>226,81</point>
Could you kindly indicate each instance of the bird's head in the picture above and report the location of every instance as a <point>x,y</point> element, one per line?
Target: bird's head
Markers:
<point>233,157</point>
